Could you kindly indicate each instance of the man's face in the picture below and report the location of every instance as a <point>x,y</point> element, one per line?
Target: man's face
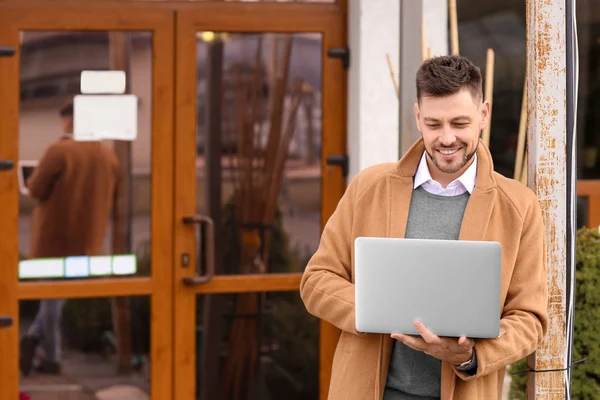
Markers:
<point>450,127</point>
<point>67,124</point>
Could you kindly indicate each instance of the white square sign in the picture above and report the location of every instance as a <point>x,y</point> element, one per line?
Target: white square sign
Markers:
<point>105,117</point>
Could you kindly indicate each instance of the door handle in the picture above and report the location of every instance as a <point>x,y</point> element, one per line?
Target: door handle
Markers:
<point>7,51</point>
<point>339,160</point>
<point>5,321</point>
<point>6,165</point>
<point>209,256</point>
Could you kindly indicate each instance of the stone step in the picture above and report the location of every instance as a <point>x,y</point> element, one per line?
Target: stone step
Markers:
<point>122,392</point>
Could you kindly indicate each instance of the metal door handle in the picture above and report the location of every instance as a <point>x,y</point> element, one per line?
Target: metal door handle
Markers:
<point>339,160</point>
<point>6,165</point>
<point>7,51</point>
<point>209,257</point>
<point>5,321</point>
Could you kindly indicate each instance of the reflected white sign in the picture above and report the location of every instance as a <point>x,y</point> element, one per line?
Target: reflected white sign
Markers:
<point>103,82</point>
<point>78,267</point>
<point>105,117</point>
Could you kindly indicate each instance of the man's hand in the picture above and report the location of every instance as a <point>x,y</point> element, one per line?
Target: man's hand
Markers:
<point>446,349</point>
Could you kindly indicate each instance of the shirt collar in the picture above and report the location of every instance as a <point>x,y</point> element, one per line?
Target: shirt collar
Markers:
<point>467,179</point>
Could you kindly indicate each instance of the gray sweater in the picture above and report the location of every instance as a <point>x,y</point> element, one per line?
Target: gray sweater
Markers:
<point>413,374</point>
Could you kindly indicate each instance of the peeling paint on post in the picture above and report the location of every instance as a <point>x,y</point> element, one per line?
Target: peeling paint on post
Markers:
<point>546,134</point>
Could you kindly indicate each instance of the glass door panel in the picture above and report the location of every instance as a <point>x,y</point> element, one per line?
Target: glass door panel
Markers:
<point>253,191</point>
<point>86,237</point>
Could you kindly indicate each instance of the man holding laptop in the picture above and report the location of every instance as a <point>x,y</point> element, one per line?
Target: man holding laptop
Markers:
<point>443,189</point>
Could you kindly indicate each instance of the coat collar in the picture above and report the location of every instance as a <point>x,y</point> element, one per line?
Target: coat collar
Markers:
<point>407,166</point>
<point>479,206</point>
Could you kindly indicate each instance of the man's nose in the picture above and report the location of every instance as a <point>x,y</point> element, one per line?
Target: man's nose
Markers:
<point>447,138</point>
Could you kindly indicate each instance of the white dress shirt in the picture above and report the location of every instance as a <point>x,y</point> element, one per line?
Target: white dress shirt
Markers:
<point>464,183</point>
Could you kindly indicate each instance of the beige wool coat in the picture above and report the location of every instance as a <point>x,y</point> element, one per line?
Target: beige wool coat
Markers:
<point>376,203</point>
<point>75,185</point>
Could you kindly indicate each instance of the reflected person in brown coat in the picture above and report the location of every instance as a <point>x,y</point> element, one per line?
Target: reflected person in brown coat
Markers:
<point>75,185</point>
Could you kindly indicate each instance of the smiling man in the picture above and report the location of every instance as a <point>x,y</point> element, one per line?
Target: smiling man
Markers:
<point>445,187</point>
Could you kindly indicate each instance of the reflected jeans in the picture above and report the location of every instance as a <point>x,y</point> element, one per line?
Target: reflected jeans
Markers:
<point>46,327</point>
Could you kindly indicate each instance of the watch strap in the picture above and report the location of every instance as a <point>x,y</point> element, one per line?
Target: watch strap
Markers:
<point>469,364</point>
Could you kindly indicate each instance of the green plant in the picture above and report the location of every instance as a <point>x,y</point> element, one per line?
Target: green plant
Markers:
<point>280,257</point>
<point>586,375</point>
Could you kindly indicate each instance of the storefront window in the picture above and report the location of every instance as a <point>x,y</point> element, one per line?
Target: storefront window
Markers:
<point>499,25</point>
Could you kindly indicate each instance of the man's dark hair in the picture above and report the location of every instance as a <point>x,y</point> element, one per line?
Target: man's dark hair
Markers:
<point>66,110</point>
<point>447,75</point>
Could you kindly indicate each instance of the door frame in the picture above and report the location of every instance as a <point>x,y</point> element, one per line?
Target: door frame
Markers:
<point>70,16</point>
<point>330,21</point>
<point>164,285</point>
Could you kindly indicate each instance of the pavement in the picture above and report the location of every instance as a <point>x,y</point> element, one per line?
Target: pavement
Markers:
<point>85,376</point>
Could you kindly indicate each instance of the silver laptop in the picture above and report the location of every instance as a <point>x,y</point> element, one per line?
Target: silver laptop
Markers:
<point>26,168</point>
<point>451,286</point>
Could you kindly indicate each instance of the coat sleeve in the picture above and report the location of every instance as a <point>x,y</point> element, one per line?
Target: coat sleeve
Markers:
<point>326,286</point>
<point>42,180</point>
<point>524,321</point>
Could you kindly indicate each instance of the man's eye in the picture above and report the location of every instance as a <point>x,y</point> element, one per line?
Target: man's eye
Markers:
<point>433,126</point>
<point>463,125</point>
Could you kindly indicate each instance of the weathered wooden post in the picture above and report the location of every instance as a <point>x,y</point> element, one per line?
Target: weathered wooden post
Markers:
<point>548,175</point>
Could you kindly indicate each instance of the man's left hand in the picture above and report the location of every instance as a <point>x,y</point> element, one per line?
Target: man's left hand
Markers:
<point>447,349</point>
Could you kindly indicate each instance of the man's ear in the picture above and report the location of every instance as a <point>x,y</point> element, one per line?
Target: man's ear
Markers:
<point>485,115</point>
<point>418,116</point>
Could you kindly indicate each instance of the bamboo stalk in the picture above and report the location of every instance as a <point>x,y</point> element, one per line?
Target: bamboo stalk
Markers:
<point>277,172</point>
<point>423,39</point>
<point>308,99</point>
<point>239,129</point>
<point>489,93</point>
<point>453,27</point>
<point>524,170</point>
<point>278,107</point>
<point>281,155</point>
<point>252,343</point>
<point>235,354</point>
<point>256,106</point>
<point>522,135</point>
<point>391,68</point>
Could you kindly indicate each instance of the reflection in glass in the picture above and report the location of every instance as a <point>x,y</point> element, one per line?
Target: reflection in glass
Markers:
<point>258,148</point>
<point>498,25</point>
<point>265,346</point>
<point>61,219</point>
<point>259,136</point>
<point>66,232</point>
<point>78,356</point>
<point>588,118</point>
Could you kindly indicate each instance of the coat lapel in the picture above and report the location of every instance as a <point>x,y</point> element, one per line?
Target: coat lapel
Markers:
<point>481,202</point>
<point>477,215</point>
<point>400,190</point>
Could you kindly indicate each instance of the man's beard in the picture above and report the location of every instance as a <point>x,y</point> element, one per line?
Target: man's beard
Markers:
<point>452,170</point>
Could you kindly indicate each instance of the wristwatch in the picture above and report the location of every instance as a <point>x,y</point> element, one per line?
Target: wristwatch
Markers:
<point>469,364</point>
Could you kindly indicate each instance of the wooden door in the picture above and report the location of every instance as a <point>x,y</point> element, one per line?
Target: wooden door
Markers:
<point>53,43</point>
<point>246,74</point>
